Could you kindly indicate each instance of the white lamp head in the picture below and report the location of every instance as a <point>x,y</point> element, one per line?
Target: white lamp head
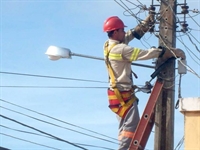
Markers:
<point>55,53</point>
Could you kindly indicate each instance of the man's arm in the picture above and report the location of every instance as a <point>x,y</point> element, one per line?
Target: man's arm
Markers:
<point>158,52</point>
<point>139,30</point>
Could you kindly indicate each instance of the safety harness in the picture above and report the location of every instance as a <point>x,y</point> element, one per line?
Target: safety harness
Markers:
<point>119,101</point>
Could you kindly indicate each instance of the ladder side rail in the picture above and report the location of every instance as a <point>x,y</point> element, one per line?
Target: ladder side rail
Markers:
<point>146,123</point>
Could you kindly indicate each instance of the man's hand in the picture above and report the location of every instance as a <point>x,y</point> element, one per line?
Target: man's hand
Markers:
<point>145,24</point>
<point>171,52</point>
<point>178,52</point>
<point>143,27</point>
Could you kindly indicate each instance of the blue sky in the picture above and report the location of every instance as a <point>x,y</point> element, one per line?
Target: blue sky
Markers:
<point>29,27</point>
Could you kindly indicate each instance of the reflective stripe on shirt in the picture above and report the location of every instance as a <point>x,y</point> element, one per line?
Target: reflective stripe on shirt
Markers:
<point>117,56</point>
<point>135,54</point>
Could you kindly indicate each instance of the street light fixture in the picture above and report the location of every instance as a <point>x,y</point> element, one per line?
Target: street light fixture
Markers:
<point>55,53</point>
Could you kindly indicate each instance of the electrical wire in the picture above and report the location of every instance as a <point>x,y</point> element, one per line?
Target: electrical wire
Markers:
<point>77,87</point>
<point>193,19</point>
<point>179,144</point>
<point>144,44</point>
<point>53,87</point>
<point>195,11</point>
<point>146,39</point>
<point>29,141</point>
<point>193,43</point>
<point>58,125</point>
<point>179,92</point>
<point>170,80</point>
<point>173,52</point>
<point>42,76</point>
<point>52,137</point>
<point>136,6</point>
<point>189,51</point>
<point>57,87</point>
<point>187,34</point>
<point>22,131</point>
<point>194,38</point>
<point>193,29</point>
<point>58,120</point>
<point>138,19</point>
<point>42,132</point>
<point>88,145</point>
<point>191,70</point>
<point>128,10</point>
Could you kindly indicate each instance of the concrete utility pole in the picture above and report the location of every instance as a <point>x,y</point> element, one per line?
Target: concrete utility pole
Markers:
<point>164,113</point>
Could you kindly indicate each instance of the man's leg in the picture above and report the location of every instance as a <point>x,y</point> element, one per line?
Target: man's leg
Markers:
<point>127,127</point>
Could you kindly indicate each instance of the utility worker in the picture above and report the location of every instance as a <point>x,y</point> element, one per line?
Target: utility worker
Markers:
<point>118,57</point>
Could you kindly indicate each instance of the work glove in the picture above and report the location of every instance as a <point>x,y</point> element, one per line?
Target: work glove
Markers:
<point>173,52</point>
<point>178,52</point>
<point>145,24</point>
<point>143,27</point>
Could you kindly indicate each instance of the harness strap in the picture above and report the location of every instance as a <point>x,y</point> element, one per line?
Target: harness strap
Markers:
<point>120,102</point>
<point>111,73</point>
<point>114,104</point>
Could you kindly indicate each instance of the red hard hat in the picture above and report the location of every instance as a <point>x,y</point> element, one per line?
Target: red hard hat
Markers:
<point>113,23</point>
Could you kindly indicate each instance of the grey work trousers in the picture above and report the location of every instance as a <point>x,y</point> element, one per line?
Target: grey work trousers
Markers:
<point>128,125</point>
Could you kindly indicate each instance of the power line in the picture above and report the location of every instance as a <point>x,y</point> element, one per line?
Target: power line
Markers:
<point>25,131</point>
<point>29,141</point>
<point>58,120</point>
<point>128,10</point>
<point>58,125</point>
<point>42,132</point>
<point>193,43</point>
<point>188,48</point>
<point>89,145</point>
<point>54,87</point>
<point>71,87</point>
<point>189,51</point>
<point>42,76</point>
<point>95,146</point>
<point>193,19</point>
<point>188,37</point>
<point>194,29</point>
<point>180,143</point>
<point>191,70</point>
<point>194,38</point>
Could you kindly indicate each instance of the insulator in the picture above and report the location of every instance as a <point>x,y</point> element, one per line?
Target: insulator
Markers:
<point>152,10</point>
<point>151,28</point>
<point>184,9</point>
<point>195,11</point>
<point>184,27</point>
